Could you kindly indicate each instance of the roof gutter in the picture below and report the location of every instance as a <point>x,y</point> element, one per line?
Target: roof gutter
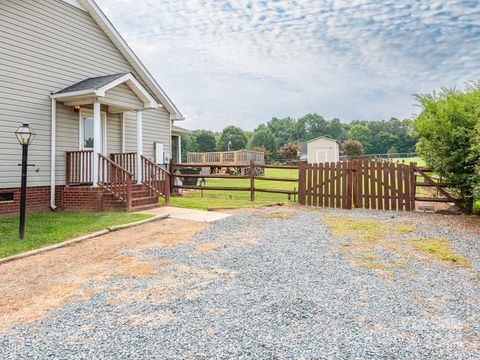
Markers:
<point>53,150</point>
<point>65,95</point>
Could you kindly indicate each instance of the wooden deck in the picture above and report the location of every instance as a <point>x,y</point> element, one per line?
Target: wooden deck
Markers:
<point>240,157</point>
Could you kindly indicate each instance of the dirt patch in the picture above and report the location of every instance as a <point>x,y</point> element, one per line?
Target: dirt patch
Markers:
<point>34,285</point>
<point>277,214</point>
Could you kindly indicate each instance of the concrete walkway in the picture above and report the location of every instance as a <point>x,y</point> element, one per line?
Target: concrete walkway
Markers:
<point>188,214</point>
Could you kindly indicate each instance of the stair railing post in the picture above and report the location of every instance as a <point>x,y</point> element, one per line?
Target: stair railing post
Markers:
<point>252,180</point>
<point>172,174</point>
<point>302,190</point>
<point>129,193</point>
<point>167,187</point>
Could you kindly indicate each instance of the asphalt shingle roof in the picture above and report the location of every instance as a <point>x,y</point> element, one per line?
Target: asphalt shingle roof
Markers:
<point>91,83</point>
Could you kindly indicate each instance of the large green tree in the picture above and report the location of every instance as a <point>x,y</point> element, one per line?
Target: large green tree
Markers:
<point>448,127</point>
<point>361,133</point>
<point>310,126</point>
<point>282,129</point>
<point>235,135</point>
<point>205,140</point>
<point>263,136</point>
<point>335,129</point>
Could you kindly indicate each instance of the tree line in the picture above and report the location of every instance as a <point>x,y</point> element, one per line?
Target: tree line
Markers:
<point>278,136</point>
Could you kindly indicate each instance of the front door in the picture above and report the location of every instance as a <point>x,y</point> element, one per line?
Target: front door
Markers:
<point>86,131</point>
<point>87,140</point>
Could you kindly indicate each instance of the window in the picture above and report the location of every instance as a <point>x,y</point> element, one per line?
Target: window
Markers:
<point>87,132</point>
<point>7,196</point>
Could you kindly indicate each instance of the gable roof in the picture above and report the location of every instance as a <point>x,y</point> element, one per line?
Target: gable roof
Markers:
<point>323,137</point>
<point>90,83</point>
<point>102,21</point>
<point>98,86</point>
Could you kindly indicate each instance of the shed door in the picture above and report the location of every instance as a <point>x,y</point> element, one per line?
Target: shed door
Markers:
<point>322,156</point>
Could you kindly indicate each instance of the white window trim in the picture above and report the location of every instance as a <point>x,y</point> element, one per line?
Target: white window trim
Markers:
<point>83,112</point>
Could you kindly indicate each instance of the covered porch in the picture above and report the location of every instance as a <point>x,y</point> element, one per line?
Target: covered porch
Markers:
<point>100,160</point>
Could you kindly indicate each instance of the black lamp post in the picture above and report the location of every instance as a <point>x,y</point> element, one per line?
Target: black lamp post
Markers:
<point>25,136</point>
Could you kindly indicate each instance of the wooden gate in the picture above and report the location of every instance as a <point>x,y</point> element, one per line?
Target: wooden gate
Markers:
<point>368,184</point>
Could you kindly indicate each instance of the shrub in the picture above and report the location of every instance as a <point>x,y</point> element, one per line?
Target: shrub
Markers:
<point>289,151</point>
<point>448,127</point>
<point>352,148</point>
<point>266,153</point>
<point>476,207</point>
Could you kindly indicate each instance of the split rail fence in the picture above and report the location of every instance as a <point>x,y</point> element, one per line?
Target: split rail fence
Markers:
<point>368,184</point>
<point>250,174</point>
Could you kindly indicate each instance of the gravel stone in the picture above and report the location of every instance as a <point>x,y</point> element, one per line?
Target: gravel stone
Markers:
<point>277,288</point>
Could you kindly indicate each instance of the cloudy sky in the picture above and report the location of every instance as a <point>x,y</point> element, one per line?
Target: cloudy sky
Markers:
<point>244,62</point>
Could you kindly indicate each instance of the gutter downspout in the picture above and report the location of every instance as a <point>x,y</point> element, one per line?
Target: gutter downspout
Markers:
<point>53,149</point>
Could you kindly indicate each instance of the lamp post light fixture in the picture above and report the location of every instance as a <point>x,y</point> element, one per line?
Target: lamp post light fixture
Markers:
<point>25,136</point>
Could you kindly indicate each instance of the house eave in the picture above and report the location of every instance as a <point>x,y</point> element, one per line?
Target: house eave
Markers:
<point>81,97</point>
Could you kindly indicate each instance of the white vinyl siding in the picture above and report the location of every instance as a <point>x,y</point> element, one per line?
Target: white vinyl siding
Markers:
<point>122,93</point>
<point>68,134</point>
<point>114,133</point>
<point>153,131</point>
<point>46,46</point>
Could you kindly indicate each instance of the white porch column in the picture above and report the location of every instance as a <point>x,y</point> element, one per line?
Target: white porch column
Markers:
<point>179,150</point>
<point>97,140</point>
<point>139,145</point>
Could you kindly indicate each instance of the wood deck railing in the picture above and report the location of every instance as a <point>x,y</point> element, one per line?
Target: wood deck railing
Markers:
<point>241,157</point>
<point>79,167</point>
<point>128,161</point>
<point>115,180</point>
<point>156,178</point>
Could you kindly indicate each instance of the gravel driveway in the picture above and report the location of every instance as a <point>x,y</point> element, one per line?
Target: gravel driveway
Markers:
<point>279,283</point>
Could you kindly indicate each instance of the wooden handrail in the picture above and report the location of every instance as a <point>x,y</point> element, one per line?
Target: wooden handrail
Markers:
<point>156,178</point>
<point>115,180</point>
<point>79,167</point>
<point>128,161</point>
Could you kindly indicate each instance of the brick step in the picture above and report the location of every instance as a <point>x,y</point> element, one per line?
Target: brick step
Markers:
<point>146,207</point>
<point>141,193</point>
<point>144,201</point>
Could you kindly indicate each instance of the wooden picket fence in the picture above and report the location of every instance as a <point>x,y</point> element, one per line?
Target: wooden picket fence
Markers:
<point>368,184</point>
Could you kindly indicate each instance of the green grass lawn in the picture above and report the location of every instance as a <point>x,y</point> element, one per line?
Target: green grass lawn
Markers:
<point>46,228</point>
<point>418,160</point>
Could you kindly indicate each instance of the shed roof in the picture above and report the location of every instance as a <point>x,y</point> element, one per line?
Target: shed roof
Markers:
<point>323,137</point>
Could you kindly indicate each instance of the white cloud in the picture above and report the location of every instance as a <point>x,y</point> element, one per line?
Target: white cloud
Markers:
<point>243,62</point>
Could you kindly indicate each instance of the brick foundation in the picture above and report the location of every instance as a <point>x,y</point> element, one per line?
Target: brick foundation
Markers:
<point>74,198</point>
<point>38,199</point>
<point>82,198</point>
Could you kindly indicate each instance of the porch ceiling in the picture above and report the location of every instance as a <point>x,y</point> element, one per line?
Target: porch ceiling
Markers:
<point>99,88</point>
